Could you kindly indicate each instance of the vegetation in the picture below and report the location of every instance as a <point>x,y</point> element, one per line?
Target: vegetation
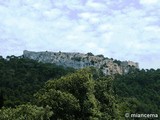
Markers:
<point>20,78</point>
<point>30,90</point>
<point>118,62</point>
<point>77,96</point>
<point>76,58</point>
<point>138,91</point>
<point>25,112</point>
<point>90,54</point>
<point>102,56</point>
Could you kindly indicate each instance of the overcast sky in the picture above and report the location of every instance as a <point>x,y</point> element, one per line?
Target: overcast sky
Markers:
<point>119,29</point>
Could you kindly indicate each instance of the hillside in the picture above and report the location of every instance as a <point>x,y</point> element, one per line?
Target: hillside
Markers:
<point>81,60</point>
<point>32,90</point>
<point>20,78</point>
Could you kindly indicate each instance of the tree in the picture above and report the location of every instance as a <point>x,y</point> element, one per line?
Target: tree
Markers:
<point>105,95</point>
<point>90,54</point>
<point>25,112</point>
<point>71,97</point>
<point>20,78</point>
<point>138,91</point>
<point>1,99</point>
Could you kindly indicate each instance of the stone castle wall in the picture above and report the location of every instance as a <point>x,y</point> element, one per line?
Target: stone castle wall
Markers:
<point>80,60</point>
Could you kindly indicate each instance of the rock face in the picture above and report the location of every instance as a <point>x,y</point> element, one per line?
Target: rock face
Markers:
<point>80,60</point>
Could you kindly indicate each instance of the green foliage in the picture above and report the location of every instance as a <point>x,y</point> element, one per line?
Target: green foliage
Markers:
<point>76,96</point>
<point>90,54</point>
<point>71,97</point>
<point>118,62</point>
<point>76,58</point>
<point>20,78</point>
<point>25,112</point>
<point>1,99</point>
<point>105,95</point>
<point>102,56</point>
<point>138,91</point>
<point>64,105</point>
<point>92,62</point>
<point>66,94</point>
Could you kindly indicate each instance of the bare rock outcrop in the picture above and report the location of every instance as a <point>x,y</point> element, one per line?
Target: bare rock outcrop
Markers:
<point>80,60</point>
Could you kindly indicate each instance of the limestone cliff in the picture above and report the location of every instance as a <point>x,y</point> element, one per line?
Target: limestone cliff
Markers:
<point>80,60</point>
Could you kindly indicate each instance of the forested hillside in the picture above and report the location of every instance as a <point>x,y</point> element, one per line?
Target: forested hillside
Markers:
<point>139,91</point>
<point>20,78</point>
<point>36,91</point>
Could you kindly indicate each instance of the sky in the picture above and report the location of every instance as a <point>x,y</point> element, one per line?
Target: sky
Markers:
<point>119,29</point>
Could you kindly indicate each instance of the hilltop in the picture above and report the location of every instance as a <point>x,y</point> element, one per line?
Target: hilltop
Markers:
<point>81,60</point>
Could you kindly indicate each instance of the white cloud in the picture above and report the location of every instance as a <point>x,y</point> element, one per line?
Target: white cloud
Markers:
<point>116,29</point>
<point>98,6</point>
<point>153,29</point>
<point>92,18</point>
<point>69,4</point>
<point>105,27</point>
<point>149,2</point>
<point>52,14</point>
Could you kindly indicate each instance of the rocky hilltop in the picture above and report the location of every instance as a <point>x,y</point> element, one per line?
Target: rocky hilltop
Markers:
<point>80,60</point>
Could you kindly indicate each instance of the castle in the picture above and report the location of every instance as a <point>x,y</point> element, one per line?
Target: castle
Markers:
<point>80,60</point>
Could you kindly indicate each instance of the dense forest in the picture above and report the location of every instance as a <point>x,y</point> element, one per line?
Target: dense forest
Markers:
<point>31,90</point>
<point>20,78</point>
